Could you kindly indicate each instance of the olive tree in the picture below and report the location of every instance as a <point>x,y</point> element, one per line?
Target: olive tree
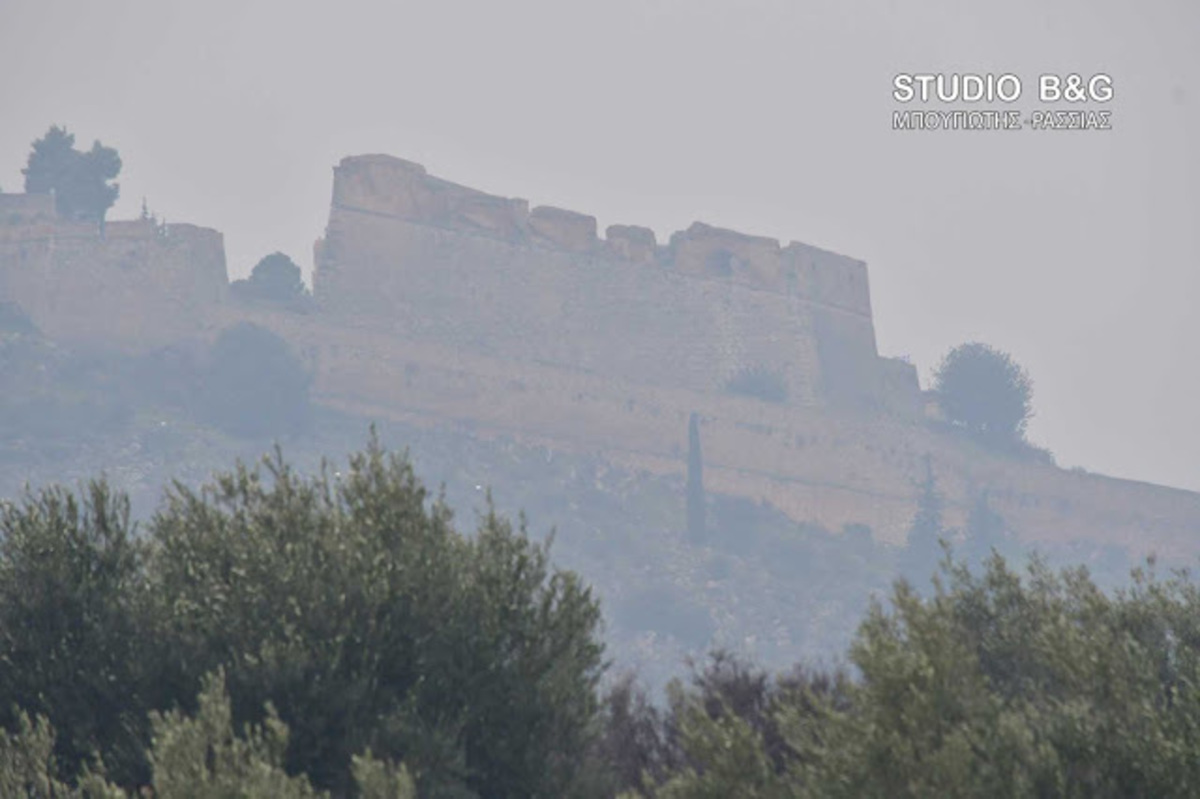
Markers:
<point>986,391</point>
<point>347,601</point>
<point>998,683</point>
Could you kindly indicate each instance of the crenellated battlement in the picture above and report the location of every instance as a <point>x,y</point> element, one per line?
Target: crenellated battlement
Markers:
<point>389,186</point>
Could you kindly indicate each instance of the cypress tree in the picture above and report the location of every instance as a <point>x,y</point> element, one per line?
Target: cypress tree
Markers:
<point>920,558</point>
<point>695,482</point>
<point>987,530</point>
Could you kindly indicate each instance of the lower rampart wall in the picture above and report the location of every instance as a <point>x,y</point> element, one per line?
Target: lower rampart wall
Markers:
<point>813,464</point>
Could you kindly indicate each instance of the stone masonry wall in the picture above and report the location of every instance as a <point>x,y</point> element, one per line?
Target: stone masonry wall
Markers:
<point>136,286</point>
<point>814,463</point>
<point>440,262</point>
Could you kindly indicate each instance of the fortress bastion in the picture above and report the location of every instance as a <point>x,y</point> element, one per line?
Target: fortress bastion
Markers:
<point>436,261</point>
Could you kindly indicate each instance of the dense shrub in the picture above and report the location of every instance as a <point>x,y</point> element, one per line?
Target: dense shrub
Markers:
<point>277,635</point>
<point>276,280</point>
<point>347,601</point>
<point>254,385</point>
<point>70,642</point>
<point>193,757</point>
<point>996,685</point>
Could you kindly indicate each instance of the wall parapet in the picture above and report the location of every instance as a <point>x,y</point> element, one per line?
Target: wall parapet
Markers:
<point>393,187</point>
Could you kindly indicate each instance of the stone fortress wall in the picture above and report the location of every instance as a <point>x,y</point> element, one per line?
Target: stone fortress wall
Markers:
<point>134,286</point>
<point>485,274</point>
<point>814,463</point>
<point>446,307</point>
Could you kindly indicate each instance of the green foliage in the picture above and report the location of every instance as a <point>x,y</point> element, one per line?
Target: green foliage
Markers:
<point>369,621</point>
<point>193,757</point>
<point>275,279</point>
<point>201,758</point>
<point>79,180</point>
<point>28,768</point>
<point>70,572</point>
<point>1044,686</point>
<point>986,391</point>
<point>347,601</point>
<point>733,757</point>
<point>636,747</point>
<point>998,685</point>
<point>376,634</point>
<point>923,548</point>
<point>987,532</point>
<point>377,779</point>
<point>736,732</point>
<point>255,387</point>
<point>758,382</point>
<point>27,759</point>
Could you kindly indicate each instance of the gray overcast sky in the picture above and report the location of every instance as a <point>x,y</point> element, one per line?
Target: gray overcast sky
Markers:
<point>1075,251</point>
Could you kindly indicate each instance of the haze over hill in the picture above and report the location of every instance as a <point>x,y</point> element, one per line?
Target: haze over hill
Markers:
<point>517,349</point>
<point>1075,251</point>
<point>514,348</point>
<point>655,279</point>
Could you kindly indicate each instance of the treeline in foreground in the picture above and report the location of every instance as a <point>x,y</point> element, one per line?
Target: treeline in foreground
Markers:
<point>275,635</point>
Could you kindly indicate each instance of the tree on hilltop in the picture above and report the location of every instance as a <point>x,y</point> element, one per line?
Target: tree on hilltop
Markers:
<point>985,391</point>
<point>79,180</point>
<point>275,279</point>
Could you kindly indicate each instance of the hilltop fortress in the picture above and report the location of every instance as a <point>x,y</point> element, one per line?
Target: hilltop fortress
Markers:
<point>443,306</point>
<point>484,274</point>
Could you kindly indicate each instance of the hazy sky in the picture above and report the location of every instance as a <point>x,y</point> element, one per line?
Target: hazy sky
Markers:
<point>1076,251</point>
